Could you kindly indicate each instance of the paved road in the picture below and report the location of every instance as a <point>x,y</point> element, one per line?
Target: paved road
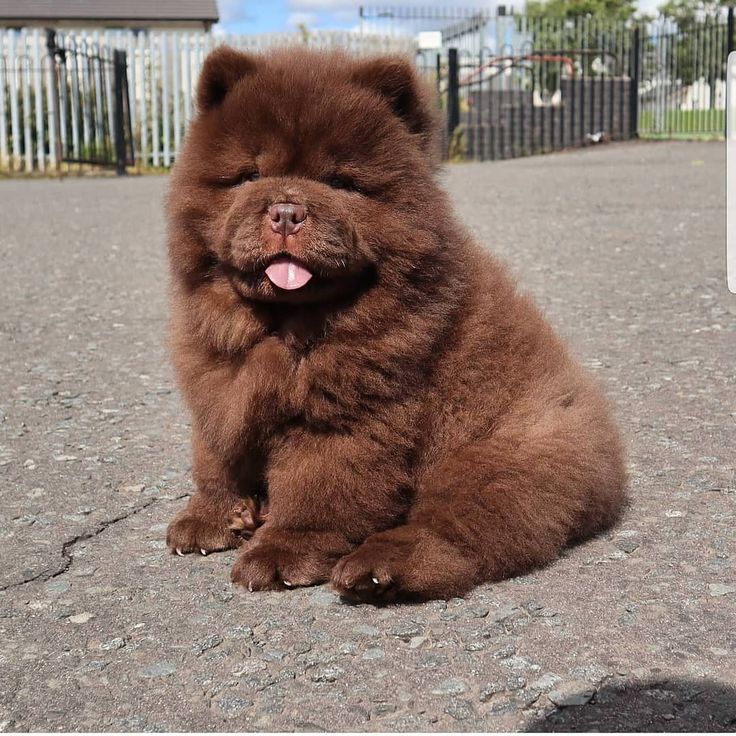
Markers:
<point>101,629</point>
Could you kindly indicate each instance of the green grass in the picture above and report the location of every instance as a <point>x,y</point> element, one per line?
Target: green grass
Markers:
<point>683,124</point>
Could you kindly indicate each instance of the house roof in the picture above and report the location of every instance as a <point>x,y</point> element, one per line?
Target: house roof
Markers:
<point>111,10</point>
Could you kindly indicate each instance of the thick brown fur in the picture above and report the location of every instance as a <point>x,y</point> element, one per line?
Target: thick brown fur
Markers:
<point>412,420</point>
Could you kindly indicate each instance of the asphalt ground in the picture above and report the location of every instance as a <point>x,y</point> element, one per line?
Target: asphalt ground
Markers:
<point>101,629</point>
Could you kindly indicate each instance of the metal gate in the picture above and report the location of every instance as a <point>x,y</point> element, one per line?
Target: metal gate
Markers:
<point>513,85</point>
<point>535,85</point>
<point>91,105</point>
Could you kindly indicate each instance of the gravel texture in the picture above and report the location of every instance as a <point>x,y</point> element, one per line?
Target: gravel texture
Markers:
<point>101,629</point>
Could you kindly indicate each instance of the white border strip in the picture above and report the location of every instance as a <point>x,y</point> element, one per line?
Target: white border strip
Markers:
<point>731,173</point>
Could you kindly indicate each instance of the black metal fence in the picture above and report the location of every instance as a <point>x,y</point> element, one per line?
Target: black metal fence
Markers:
<point>514,85</point>
<point>63,104</point>
<point>510,85</point>
<point>91,105</point>
<point>490,119</point>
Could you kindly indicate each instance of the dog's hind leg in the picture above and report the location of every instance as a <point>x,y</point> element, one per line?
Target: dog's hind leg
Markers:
<point>496,507</point>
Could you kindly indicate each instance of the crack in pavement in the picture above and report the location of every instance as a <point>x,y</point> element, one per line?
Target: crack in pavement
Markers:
<point>68,558</point>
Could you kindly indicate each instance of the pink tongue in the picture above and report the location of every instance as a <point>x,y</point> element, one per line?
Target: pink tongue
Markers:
<point>287,274</point>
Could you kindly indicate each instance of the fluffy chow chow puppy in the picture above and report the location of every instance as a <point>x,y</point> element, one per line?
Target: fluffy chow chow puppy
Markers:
<point>373,402</point>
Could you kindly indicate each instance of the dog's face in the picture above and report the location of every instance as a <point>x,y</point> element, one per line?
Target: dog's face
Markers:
<point>303,173</point>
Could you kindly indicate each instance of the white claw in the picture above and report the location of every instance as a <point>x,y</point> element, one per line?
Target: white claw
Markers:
<point>204,552</point>
<point>375,581</point>
<point>288,584</point>
<point>250,587</point>
<point>179,552</point>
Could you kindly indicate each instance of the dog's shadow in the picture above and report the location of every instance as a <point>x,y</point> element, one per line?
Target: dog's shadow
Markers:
<point>666,705</point>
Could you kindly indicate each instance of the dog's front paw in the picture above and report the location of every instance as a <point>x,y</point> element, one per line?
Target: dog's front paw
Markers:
<point>279,558</point>
<point>194,533</point>
<point>407,563</point>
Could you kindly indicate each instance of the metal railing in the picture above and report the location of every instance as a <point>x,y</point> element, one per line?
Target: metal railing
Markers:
<point>532,83</point>
<point>62,104</point>
<point>89,104</point>
<point>514,85</point>
<point>517,85</point>
<point>682,90</point>
<point>162,71</point>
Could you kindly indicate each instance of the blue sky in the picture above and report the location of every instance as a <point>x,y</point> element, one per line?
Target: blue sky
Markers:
<point>266,16</point>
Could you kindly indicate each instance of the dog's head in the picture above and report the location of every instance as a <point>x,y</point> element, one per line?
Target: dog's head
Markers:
<point>304,173</point>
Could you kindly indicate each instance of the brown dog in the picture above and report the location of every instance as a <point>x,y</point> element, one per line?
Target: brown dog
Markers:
<point>352,356</point>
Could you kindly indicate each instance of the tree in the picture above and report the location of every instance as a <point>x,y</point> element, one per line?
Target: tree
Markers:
<point>599,25</point>
<point>572,9</point>
<point>687,12</point>
<point>692,47</point>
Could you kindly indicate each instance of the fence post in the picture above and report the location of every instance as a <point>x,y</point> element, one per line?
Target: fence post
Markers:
<point>55,134</point>
<point>120,85</point>
<point>634,88</point>
<point>439,75</point>
<point>453,92</point>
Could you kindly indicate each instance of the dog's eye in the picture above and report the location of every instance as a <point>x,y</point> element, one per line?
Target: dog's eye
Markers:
<point>247,176</point>
<point>234,181</point>
<point>342,182</point>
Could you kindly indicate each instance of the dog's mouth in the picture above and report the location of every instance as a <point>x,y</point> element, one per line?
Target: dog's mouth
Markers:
<point>282,277</point>
<point>287,273</point>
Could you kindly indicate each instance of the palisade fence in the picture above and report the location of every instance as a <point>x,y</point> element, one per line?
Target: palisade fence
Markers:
<point>57,103</point>
<point>510,85</point>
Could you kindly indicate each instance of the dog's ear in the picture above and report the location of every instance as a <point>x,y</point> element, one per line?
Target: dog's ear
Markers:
<point>395,78</point>
<point>221,70</point>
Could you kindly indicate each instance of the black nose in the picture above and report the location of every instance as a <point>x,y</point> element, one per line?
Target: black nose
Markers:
<point>286,217</point>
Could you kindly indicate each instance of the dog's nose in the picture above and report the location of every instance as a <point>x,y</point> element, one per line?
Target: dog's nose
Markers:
<point>286,217</point>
